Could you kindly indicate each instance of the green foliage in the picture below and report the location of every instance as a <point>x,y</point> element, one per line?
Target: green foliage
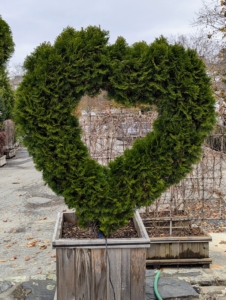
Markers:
<point>6,92</point>
<point>79,62</point>
<point>6,97</point>
<point>6,42</point>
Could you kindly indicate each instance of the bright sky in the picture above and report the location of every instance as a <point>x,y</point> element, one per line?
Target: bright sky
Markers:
<point>35,21</point>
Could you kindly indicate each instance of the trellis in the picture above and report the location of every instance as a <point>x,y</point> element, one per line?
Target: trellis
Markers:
<point>199,199</point>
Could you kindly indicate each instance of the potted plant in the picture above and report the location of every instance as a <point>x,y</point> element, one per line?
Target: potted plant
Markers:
<point>106,197</point>
<point>2,147</point>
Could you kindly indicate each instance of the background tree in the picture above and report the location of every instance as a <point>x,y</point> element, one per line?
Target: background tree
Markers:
<point>207,49</point>
<point>211,20</point>
<point>15,70</point>
<point>211,17</point>
<point>6,51</point>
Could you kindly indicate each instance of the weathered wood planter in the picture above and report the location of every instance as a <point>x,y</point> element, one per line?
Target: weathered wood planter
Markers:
<point>10,153</point>
<point>16,146</point>
<point>85,270</point>
<point>178,250</point>
<point>2,160</point>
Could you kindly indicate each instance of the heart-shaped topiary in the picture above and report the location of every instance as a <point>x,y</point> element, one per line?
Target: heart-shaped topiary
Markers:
<point>167,76</point>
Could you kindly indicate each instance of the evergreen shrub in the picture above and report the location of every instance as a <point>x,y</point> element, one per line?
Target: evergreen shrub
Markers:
<point>6,42</point>
<point>83,62</point>
<point>6,51</point>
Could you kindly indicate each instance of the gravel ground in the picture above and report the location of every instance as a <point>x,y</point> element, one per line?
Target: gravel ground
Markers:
<point>28,214</point>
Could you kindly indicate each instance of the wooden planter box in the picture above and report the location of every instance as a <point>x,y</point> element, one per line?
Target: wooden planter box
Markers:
<point>178,250</point>
<point>17,146</point>
<point>84,267</point>
<point>2,160</point>
<point>10,153</point>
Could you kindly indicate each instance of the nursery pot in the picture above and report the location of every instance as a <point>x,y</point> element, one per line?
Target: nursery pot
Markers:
<point>95,269</point>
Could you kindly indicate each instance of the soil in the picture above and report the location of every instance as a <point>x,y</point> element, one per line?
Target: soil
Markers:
<point>71,230</point>
<point>158,232</point>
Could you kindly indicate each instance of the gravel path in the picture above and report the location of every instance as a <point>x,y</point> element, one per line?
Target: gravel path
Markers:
<point>28,212</point>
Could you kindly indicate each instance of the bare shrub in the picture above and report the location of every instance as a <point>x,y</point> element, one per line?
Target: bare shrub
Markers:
<point>9,128</point>
<point>2,142</point>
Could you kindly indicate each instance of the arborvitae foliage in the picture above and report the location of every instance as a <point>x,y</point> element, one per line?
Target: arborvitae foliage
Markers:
<point>79,62</point>
<point>6,51</point>
<point>6,42</point>
<point>6,96</point>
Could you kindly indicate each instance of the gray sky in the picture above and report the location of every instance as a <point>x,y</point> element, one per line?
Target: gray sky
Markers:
<point>35,21</point>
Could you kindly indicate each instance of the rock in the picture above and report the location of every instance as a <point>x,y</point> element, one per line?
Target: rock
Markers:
<point>5,285</point>
<point>197,289</point>
<point>38,200</point>
<point>213,290</point>
<point>40,289</point>
<point>170,288</point>
<point>52,277</point>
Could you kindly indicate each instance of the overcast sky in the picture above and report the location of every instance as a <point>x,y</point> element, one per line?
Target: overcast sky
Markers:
<point>35,21</point>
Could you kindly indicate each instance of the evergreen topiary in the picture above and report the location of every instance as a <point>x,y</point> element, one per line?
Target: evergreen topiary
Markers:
<point>79,62</point>
<point>6,96</point>
<point>6,42</point>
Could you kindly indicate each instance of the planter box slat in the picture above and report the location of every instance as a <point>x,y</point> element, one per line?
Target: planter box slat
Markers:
<point>204,249</point>
<point>186,261</point>
<point>177,239</point>
<point>65,267</point>
<point>178,250</point>
<point>100,243</point>
<point>140,226</point>
<point>98,275</point>
<point>125,275</point>
<point>115,255</point>
<point>84,272</point>
<point>138,264</point>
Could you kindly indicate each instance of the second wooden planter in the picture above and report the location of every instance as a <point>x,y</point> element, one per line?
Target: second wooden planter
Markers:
<point>178,250</point>
<point>10,153</point>
<point>96,269</point>
<point>2,160</point>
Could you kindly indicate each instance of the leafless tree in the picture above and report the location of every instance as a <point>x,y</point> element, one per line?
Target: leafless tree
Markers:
<point>9,129</point>
<point>207,49</point>
<point>211,17</point>
<point>15,70</point>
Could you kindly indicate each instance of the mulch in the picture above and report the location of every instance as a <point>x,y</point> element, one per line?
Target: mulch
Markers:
<point>72,231</point>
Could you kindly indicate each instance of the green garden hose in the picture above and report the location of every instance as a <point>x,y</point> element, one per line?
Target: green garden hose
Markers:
<point>156,286</point>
